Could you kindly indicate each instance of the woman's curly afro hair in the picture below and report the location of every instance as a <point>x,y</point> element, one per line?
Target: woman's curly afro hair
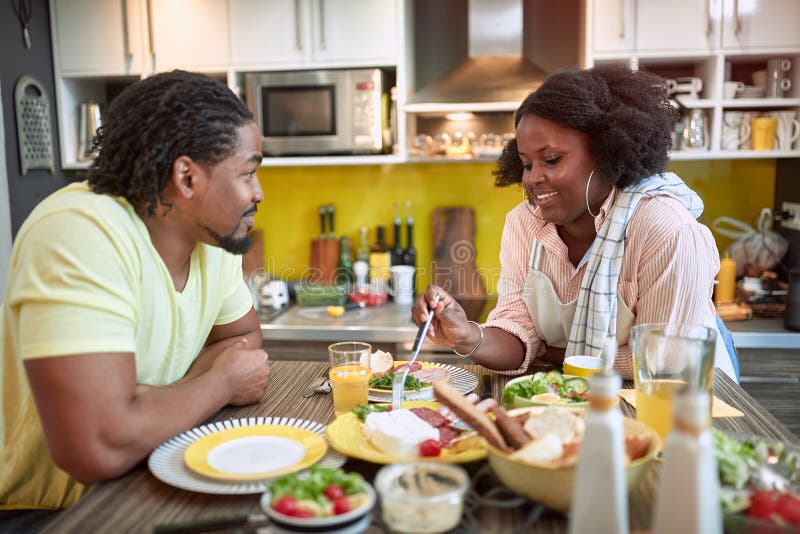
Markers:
<point>153,122</point>
<point>625,113</point>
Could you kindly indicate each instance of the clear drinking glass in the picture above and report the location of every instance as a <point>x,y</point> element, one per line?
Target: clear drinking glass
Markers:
<point>668,358</point>
<point>349,373</point>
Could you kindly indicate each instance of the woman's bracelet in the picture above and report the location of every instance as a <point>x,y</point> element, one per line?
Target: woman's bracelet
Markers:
<point>467,355</point>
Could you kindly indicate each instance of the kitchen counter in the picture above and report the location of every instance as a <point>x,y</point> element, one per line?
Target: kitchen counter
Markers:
<point>763,334</point>
<point>392,323</point>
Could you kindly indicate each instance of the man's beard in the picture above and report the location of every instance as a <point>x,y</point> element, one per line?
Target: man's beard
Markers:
<point>234,245</point>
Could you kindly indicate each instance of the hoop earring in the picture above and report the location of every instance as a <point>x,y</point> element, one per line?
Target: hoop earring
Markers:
<point>588,182</point>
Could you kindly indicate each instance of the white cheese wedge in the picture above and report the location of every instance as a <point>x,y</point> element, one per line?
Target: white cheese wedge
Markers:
<point>398,432</point>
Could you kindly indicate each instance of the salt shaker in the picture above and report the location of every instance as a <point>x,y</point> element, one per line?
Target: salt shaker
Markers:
<point>599,496</point>
<point>688,495</point>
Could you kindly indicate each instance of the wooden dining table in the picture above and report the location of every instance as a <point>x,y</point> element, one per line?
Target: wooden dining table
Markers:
<point>138,501</point>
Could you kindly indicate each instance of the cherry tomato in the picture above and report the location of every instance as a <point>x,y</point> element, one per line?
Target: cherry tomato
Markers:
<point>763,504</point>
<point>789,508</point>
<point>333,492</point>
<point>341,506</point>
<point>285,504</point>
<point>304,512</point>
<point>430,447</point>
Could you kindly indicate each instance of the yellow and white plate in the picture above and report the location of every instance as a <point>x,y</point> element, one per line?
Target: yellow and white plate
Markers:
<point>345,435</point>
<point>254,452</point>
<point>461,379</point>
<point>168,465</point>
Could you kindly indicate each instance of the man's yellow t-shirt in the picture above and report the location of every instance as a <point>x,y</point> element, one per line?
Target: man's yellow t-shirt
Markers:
<point>84,277</point>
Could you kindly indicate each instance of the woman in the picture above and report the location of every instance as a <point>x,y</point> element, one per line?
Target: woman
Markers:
<point>603,239</point>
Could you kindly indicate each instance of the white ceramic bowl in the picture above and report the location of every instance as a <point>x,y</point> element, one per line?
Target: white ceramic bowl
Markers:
<point>353,521</point>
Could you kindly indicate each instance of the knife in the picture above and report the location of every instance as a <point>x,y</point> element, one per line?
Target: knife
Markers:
<point>331,232</point>
<point>323,234</point>
<point>203,525</point>
<point>317,382</point>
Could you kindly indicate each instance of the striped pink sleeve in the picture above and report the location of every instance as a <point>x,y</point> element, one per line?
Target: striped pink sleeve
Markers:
<point>671,261</point>
<point>511,314</point>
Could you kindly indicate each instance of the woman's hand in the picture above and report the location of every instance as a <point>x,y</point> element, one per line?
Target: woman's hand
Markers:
<point>449,326</point>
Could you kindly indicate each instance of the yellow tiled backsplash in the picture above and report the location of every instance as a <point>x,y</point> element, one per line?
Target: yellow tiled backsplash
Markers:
<point>363,196</point>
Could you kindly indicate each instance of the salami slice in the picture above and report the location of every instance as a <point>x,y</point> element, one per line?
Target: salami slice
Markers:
<point>416,366</point>
<point>431,374</point>
<point>447,434</point>
<point>433,418</point>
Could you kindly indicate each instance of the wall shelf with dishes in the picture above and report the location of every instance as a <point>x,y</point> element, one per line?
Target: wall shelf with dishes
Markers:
<point>730,58</point>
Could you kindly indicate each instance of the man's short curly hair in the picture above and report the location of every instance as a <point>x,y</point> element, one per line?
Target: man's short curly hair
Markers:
<point>625,113</point>
<point>153,122</point>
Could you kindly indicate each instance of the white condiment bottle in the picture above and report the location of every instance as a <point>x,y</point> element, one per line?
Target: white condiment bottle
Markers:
<point>688,494</point>
<point>599,495</point>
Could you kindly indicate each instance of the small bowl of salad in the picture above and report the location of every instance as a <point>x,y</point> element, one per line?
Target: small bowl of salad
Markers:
<point>323,499</point>
<point>551,388</point>
<point>759,484</point>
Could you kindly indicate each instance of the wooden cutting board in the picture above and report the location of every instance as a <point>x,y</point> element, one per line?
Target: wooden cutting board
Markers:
<point>454,253</point>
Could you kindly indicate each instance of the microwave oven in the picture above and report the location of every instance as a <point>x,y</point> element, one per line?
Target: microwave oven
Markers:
<point>317,112</point>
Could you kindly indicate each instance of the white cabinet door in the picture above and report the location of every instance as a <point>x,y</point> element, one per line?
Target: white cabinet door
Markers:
<point>612,25</point>
<point>98,37</point>
<point>677,25</point>
<point>760,23</point>
<point>270,32</point>
<point>190,35</point>
<point>355,30</point>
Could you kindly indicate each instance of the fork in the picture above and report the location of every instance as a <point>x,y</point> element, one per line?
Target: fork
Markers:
<point>399,380</point>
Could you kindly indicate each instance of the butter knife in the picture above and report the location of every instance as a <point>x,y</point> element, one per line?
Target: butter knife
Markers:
<point>317,382</point>
<point>205,525</point>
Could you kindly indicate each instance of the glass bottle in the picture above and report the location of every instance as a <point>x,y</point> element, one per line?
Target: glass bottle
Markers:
<point>410,253</point>
<point>379,263</point>
<point>344,269</point>
<point>599,496</point>
<point>397,250</point>
<point>688,494</point>
<point>362,253</point>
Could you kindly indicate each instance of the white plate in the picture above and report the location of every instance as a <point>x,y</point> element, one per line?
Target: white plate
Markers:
<point>167,463</point>
<point>461,379</point>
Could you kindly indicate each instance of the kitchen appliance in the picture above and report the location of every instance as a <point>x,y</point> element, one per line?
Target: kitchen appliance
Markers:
<point>90,121</point>
<point>318,112</point>
<point>33,125</point>
<point>497,67</point>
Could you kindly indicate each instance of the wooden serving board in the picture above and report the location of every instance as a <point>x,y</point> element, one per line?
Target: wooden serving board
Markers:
<point>454,254</point>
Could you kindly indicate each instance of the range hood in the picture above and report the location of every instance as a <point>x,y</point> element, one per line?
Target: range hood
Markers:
<point>495,76</point>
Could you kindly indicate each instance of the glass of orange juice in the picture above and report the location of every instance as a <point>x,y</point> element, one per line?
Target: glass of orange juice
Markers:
<point>668,358</point>
<point>349,374</point>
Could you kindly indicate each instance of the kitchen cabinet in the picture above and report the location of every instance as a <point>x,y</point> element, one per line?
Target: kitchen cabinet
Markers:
<point>757,24</point>
<point>99,37</point>
<point>189,35</point>
<point>306,33</point>
<point>772,377</point>
<point>625,26</point>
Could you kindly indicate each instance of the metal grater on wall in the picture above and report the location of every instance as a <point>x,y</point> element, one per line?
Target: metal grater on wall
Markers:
<point>33,125</point>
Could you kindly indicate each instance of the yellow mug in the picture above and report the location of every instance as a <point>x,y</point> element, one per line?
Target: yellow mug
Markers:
<point>763,132</point>
<point>584,366</point>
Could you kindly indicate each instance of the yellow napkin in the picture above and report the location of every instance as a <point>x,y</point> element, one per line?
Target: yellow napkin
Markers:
<point>719,408</point>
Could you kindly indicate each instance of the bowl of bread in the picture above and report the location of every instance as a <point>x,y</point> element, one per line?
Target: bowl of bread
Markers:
<point>534,450</point>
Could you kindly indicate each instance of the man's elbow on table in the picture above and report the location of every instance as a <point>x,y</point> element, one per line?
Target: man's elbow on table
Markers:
<point>90,462</point>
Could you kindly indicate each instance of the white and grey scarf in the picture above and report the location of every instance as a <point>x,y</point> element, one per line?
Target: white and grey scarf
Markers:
<point>594,327</point>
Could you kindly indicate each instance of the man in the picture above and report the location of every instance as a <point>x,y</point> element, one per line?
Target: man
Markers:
<point>126,319</point>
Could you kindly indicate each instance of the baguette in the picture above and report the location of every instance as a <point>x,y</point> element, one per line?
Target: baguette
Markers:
<point>467,412</point>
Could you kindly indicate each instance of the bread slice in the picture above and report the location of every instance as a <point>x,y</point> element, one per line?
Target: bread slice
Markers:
<point>468,413</point>
<point>379,362</point>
